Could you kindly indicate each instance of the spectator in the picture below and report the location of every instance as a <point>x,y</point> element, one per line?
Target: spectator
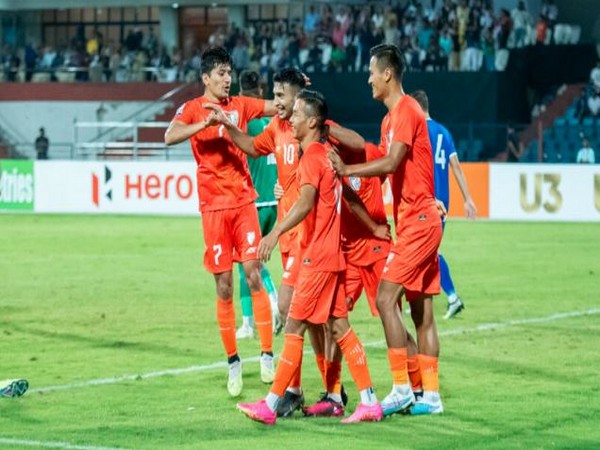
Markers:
<point>425,34</point>
<point>41,145</point>
<point>489,50</point>
<point>593,103</point>
<point>151,42</point>
<point>31,58</point>
<point>585,155</point>
<point>390,26</point>
<point>541,30</point>
<point>550,12</point>
<point>595,76</point>
<point>240,56</point>
<point>521,20</point>
<point>472,55</point>
<point>504,28</point>
<point>311,20</point>
<point>514,146</point>
<point>462,16</point>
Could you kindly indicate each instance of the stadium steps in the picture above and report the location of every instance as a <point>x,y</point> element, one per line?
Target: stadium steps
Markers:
<point>558,108</point>
<point>175,98</point>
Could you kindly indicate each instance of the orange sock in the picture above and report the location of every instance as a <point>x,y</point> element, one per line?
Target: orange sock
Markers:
<point>414,373</point>
<point>333,375</point>
<point>320,357</point>
<point>354,353</point>
<point>289,362</point>
<point>226,321</point>
<point>262,318</point>
<point>296,381</point>
<point>429,372</point>
<point>398,364</point>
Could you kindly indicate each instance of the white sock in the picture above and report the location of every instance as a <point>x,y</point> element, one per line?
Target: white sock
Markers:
<point>272,401</point>
<point>295,390</point>
<point>235,368</point>
<point>247,321</point>
<point>431,397</point>
<point>402,389</point>
<point>452,298</point>
<point>368,397</point>
<point>335,397</point>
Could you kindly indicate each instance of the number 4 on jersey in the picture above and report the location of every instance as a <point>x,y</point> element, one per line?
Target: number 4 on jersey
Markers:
<point>440,153</point>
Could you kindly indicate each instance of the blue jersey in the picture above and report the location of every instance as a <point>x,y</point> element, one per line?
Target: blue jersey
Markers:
<point>442,146</point>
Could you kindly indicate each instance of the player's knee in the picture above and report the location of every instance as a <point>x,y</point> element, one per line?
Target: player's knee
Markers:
<point>338,327</point>
<point>225,292</point>
<point>254,279</point>
<point>293,326</point>
<point>385,304</point>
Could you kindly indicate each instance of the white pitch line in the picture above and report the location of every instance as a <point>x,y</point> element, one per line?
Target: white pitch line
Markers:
<point>223,364</point>
<point>52,444</point>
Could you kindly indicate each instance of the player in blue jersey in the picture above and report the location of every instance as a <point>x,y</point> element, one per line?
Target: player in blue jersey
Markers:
<point>444,155</point>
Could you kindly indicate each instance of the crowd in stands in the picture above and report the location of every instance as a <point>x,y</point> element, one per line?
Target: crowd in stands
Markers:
<point>589,102</point>
<point>434,35</point>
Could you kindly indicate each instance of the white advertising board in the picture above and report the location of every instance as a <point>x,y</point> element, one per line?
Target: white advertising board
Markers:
<point>116,187</point>
<point>547,192</point>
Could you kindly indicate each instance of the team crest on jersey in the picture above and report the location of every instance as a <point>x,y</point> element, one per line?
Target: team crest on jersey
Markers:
<point>355,183</point>
<point>233,116</point>
<point>180,110</point>
<point>251,236</point>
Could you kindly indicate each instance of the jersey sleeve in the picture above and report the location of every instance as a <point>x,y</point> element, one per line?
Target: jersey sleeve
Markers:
<point>253,107</point>
<point>185,113</point>
<point>450,143</point>
<point>310,169</point>
<point>403,124</point>
<point>264,143</point>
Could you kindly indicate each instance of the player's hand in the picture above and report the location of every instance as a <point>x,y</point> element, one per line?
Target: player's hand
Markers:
<point>217,116</point>
<point>278,191</point>
<point>470,209</point>
<point>441,209</point>
<point>337,163</point>
<point>266,246</point>
<point>382,231</point>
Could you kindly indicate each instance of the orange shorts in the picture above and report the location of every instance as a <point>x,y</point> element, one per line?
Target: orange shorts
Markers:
<point>291,267</point>
<point>363,277</point>
<point>413,260</point>
<point>230,235</point>
<point>318,296</point>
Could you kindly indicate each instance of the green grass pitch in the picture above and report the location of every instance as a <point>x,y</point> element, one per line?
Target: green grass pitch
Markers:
<point>88,298</point>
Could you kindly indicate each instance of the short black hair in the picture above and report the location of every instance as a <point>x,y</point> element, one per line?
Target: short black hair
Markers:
<point>290,76</point>
<point>317,106</point>
<point>389,55</point>
<point>250,82</point>
<point>421,97</point>
<point>213,57</point>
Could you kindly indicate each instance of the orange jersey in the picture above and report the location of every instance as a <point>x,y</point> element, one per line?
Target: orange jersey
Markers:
<point>360,247</point>
<point>277,138</point>
<point>321,240</point>
<point>412,182</point>
<point>223,177</point>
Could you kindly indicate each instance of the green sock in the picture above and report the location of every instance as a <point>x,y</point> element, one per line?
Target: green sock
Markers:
<point>245,296</point>
<point>268,282</point>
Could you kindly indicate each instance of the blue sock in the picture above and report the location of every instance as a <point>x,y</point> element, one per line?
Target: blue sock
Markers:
<point>446,279</point>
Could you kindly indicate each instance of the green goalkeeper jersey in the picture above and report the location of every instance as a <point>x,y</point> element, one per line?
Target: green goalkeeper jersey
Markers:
<point>263,170</point>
